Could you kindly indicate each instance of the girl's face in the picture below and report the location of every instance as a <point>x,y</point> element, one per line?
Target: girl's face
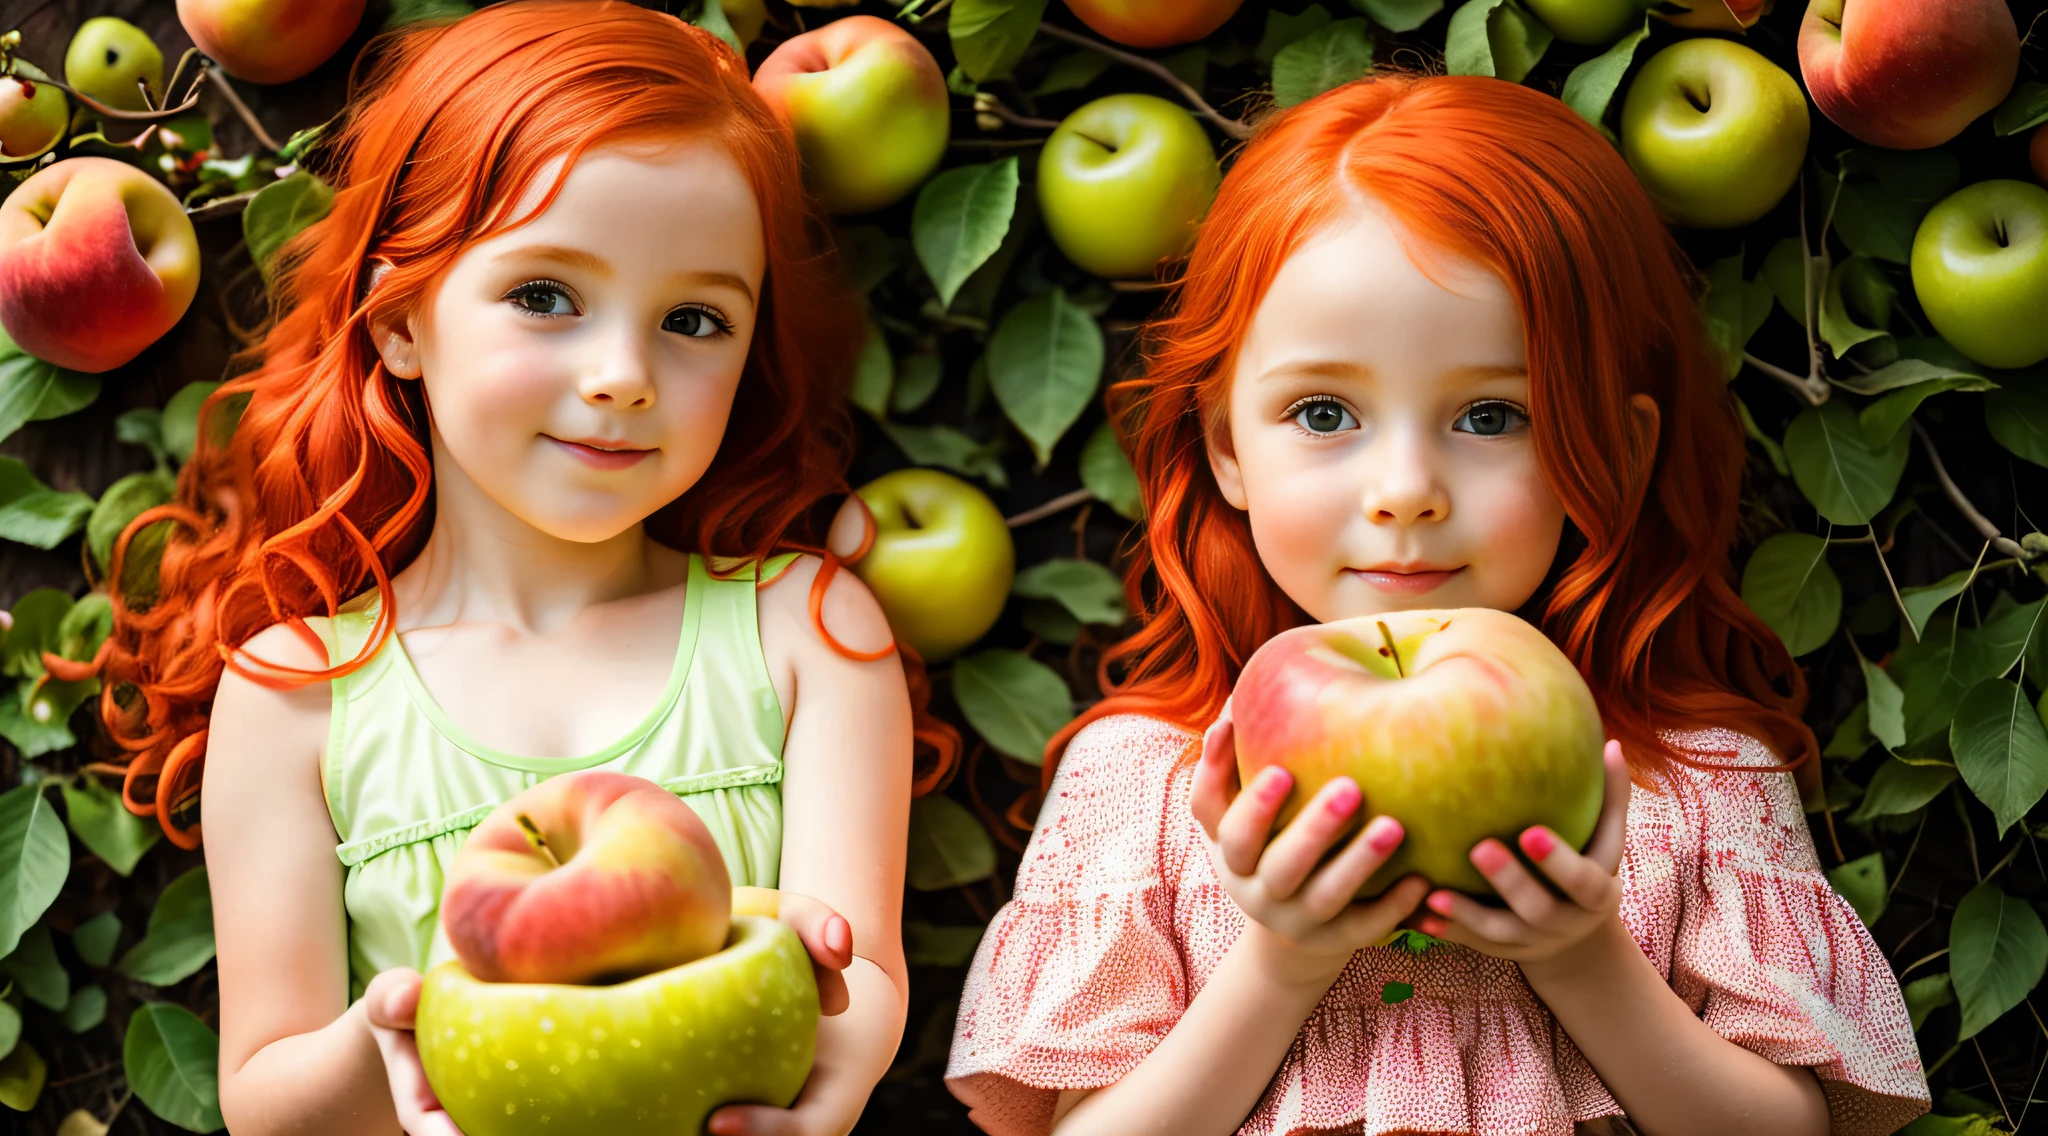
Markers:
<point>580,368</point>
<point>1377,432</point>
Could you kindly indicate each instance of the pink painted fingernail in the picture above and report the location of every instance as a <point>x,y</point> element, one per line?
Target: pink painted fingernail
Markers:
<point>1440,902</point>
<point>1344,799</point>
<point>1538,843</point>
<point>1273,784</point>
<point>1384,833</point>
<point>1430,925</point>
<point>1490,857</point>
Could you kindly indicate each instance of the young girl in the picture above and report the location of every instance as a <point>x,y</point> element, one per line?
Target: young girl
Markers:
<point>569,285</point>
<point>1433,349</point>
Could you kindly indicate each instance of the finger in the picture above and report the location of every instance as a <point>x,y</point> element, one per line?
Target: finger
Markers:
<point>1371,921</point>
<point>1309,836</point>
<point>411,1095</point>
<point>753,1120</point>
<point>1216,782</point>
<point>833,996</point>
<point>825,933</point>
<point>393,998</point>
<point>1335,884</point>
<point>1451,914</point>
<point>1581,878</point>
<point>1249,819</point>
<point>1525,894</point>
<point>1610,836</point>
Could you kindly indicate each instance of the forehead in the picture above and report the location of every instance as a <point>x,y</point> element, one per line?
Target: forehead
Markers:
<point>686,197</point>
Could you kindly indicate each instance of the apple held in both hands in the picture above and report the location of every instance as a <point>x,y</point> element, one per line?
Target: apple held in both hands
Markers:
<point>1908,74</point>
<point>869,108</point>
<point>1461,724</point>
<point>33,114</point>
<point>97,261</point>
<point>110,59</point>
<point>1154,23</point>
<point>1980,269</point>
<point>1715,132</point>
<point>940,561</point>
<point>269,41</point>
<point>1124,182</point>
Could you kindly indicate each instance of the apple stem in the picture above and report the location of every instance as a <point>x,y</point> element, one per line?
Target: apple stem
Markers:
<point>1392,651</point>
<point>536,841</point>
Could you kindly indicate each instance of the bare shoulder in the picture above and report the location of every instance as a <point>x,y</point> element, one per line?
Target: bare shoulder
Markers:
<point>849,612</point>
<point>255,724</point>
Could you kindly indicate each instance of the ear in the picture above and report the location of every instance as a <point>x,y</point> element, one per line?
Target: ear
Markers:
<point>391,331</point>
<point>1646,425</point>
<point>1223,465</point>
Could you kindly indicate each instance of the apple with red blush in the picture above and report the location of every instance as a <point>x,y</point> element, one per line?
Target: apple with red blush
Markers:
<point>1908,74</point>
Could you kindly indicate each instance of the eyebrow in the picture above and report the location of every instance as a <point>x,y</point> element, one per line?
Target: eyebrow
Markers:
<point>597,266</point>
<point>1345,368</point>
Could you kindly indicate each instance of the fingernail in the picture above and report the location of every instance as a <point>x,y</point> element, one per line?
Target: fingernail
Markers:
<point>1538,843</point>
<point>1430,925</point>
<point>1440,902</point>
<point>1384,833</point>
<point>1273,784</point>
<point>1489,857</point>
<point>1344,799</point>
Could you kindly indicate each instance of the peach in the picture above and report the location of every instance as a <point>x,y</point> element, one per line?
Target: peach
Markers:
<point>1908,74</point>
<point>97,261</point>
<point>269,41</point>
<point>33,114</point>
<point>587,877</point>
<point>1154,23</point>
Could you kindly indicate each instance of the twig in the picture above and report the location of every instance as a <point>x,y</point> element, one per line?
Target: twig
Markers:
<point>989,106</point>
<point>1995,1090</point>
<point>1809,294</point>
<point>1140,285</point>
<point>1039,513</point>
<point>104,111</point>
<point>88,1075</point>
<point>1916,963</point>
<point>221,207</point>
<point>2008,858</point>
<point>1908,861</point>
<point>1977,520</point>
<point>1226,124</point>
<point>1896,597</point>
<point>219,79</point>
<point>1813,391</point>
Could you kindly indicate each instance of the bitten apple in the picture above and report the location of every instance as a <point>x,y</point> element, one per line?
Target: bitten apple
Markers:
<point>1714,131</point>
<point>941,561</point>
<point>1908,74</point>
<point>1154,23</point>
<point>868,106</point>
<point>97,261</point>
<point>1460,724</point>
<point>1980,268</point>
<point>33,114</point>
<point>584,877</point>
<point>269,41</point>
<point>1123,183</point>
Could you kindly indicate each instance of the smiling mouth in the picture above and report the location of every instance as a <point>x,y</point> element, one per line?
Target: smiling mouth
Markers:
<point>1406,583</point>
<point>598,455</point>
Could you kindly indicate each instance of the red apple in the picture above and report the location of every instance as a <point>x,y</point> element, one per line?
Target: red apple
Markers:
<point>33,113</point>
<point>587,876</point>
<point>1154,23</point>
<point>97,261</point>
<point>269,41</point>
<point>1715,15</point>
<point>1908,74</point>
<point>1461,724</point>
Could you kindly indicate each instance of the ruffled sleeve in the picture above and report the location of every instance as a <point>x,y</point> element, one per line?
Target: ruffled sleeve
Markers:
<point>1079,975</point>
<point>1730,898</point>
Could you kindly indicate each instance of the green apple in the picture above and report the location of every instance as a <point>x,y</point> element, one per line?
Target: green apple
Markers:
<point>106,59</point>
<point>1715,132</point>
<point>1595,22</point>
<point>746,18</point>
<point>1980,268</point>
<point>941,561</point>
<point>1123,183</point>
<point>649,1057</point>
<point>33,114</point>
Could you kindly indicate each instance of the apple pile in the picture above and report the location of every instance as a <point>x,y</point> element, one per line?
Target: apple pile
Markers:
<point>1461,724</point>
<point>602,982</point>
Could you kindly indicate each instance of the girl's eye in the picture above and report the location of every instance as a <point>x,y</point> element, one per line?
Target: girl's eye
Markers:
<point>1323,416</point>
<point>543,298</point>
<point>1489,418</point>
<point>696,323</point>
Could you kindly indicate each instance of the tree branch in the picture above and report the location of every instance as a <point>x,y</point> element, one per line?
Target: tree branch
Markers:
<point>1040,512</point>
<point>1226,124</point>
<point>220,82</point>
<point>987,106</point>
<point>1977,520</point>
<point>1810,390</point>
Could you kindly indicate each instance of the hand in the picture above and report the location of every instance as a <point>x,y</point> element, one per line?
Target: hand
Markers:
<point>825,933</point>
<point>1538,927</point>
<point>391,1001</point>
<point>1278,884</point>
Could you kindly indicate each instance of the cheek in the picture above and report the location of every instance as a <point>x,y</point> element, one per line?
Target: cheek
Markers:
<point>1300,505</point>
<point>1516,522</point>
<point>493,386</point>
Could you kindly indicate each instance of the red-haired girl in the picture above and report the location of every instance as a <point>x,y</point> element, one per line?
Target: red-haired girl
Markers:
<point>570,314</point>
<point>1433,349</point>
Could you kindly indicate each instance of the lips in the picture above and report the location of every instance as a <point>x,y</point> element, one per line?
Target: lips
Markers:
<point>1406,579</point>
<point>598,453</point>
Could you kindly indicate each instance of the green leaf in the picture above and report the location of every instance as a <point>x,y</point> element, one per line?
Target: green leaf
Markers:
<point>1875,222</point>
<point>37,618</point>
<point>10,1027</point>
<point>1108,474</point>
<point>1898,788</point>
<point>1495,37</point>
<point>1072,72</point>
<point>948,846</point>
<point>36,971</point>
<point>2001,749</point>
<point>2025,108</point>
<point>173,1064</point>
<point>989,36</point>
<point>1887,705</point>
<point>1785,271</point>
<point>32,390</point>
<point>43,729</point>
<point>1997,645</point>
<point>179,939</point>
<point>711,17</point>
<point>1323,59</point>
<point>1861,882</point>
<point>405,12</point>
<point>32,513</point>
<point>1852,735</point>
<point>960,220</point>
<point>1790,586</point>
<point>1855,278</point>
<point>1190,65</point>
<point>143,426</point>
<point>925,944</point>
<point>181,419</point>
<point>1922,177</point>
<point>1848,479</point>
<point>21,1077</point>
<point>1926,995</point>
<point>85,627</point>
<point>95,938</point>
<point>1734,309</point>
<point>34,859</point>
<point>1044,363</point>
<point>1399,15</point>
<point>1771,448</point>
<point>1013,701</point>
<point>1590,87</point>
<point>1050,622</point>
<point>948,448</point>
<point>1283,29</point>
<point>105,826</point>
<point>917,379</point>
<point>86,1009</point>
<point>1089,591</point>
<point>279,212</point>
<point>1922,602</point>
<point>124,501</point>
<point>873,374</point>
<point>1997,952</point>
<point>2017,415</point>
<point>867,255</point>
<point>1883,419</point>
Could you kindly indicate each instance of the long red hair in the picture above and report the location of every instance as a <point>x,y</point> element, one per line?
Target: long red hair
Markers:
<point>1492,172</point>
<point>322,487</point>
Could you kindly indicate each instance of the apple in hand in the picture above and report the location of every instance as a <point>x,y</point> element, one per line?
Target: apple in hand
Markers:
<point>1595,22</point>
<point>1461,724</point>
<point>33,114</point>
<point>97,261</point>
<point>1980,268</point>
<point>1154,23</point>
<point>1715,132</point>
<point>107,59</point>
<point>868,106</point>
<point>1123,183</point>
<point>269,41</point>
<point>941,560</point>
<point>1908,74</point>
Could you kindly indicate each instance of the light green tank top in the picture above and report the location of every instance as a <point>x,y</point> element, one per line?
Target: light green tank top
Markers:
<point>405,784</point>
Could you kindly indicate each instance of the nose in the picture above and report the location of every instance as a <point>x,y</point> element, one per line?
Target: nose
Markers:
<point>1403,485</point>
<point>620,373</point>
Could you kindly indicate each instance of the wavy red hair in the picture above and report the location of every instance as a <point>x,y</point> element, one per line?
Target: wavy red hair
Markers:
<point>322,487</point>
<point>1491,172</point>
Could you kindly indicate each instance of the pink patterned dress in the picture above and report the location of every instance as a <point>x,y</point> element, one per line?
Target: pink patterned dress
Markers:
<point>1118,920</point>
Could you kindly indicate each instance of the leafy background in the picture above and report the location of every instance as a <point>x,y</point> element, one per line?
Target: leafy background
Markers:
<point>1886,532</point>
